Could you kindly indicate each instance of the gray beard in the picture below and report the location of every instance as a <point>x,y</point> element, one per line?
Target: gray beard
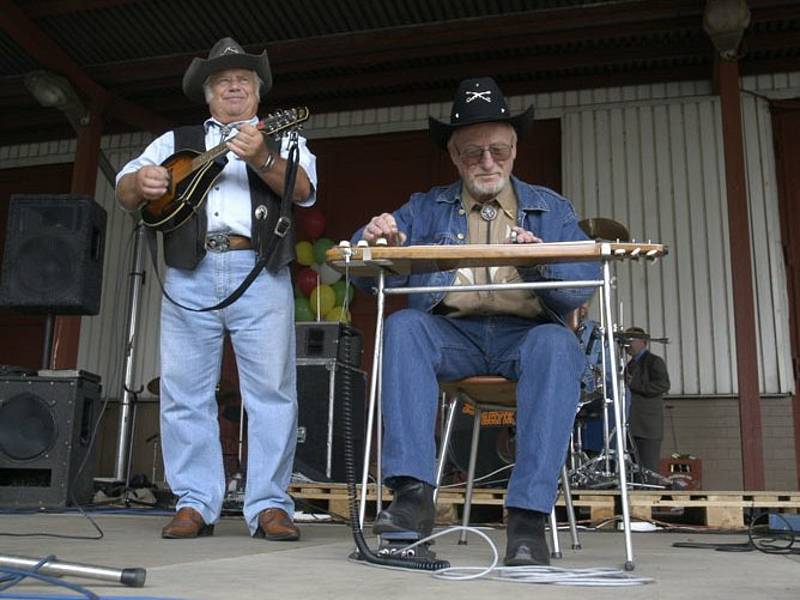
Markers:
<point>485,192</point>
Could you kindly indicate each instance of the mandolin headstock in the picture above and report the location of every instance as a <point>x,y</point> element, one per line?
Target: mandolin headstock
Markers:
<point>280,122</point>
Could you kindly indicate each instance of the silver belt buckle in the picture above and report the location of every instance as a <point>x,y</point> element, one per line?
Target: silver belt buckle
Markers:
<point>218,242</point>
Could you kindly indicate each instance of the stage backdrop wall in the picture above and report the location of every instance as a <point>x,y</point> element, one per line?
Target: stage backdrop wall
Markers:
<point>649,156</point>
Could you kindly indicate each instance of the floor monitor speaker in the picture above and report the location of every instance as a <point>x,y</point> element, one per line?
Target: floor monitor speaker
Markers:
<point>46,425</point>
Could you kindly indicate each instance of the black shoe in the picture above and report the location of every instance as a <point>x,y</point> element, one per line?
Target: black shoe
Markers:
<point>526,543</point>
<point>411,510</point>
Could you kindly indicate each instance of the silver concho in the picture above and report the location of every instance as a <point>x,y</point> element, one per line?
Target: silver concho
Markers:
<point>488,212</point>
<point>261,212</point>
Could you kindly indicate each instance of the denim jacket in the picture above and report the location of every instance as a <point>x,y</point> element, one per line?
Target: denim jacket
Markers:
<point>433,217</point>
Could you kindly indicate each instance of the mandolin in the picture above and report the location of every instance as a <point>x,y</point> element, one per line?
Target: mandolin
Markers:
<point>192,173</point>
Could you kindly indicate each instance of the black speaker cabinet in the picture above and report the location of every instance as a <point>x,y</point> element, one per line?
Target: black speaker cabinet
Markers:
<point>320,431</point>
<point>53,259</point>
<point>329,340</point>
<point>45,428</point>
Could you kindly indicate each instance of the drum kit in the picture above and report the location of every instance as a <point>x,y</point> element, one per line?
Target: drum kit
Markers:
<point>592,450</point>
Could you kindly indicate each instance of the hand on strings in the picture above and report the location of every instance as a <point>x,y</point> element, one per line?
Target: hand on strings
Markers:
<point>152,182</point>
<point>383,226</point>
<point>250,146</point>
<point>523,236</point>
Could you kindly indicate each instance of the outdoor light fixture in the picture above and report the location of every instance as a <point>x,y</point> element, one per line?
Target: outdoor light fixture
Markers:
<point>55,91</point>
<point>725,22</point>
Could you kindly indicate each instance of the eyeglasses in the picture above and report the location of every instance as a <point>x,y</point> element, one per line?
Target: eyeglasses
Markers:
<point>472,155</point>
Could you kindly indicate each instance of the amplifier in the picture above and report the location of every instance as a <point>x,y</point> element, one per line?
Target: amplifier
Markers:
<point>46,459</point>
<point>320,430</point>
<point>329,340</point>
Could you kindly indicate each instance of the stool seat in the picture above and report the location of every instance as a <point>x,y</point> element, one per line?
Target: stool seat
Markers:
<point>491,390</point>
<point>487,393</point>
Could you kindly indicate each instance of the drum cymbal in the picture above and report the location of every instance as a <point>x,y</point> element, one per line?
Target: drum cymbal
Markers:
<point>154,386</point>
<point>599,228</point>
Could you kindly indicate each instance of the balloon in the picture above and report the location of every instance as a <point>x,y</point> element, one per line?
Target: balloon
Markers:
<point>305,253</point>
<point>311,221</point>
<point>322,299</point>
<point>306,280</point>
<point>302,310</point>
<point>340,288</point>
<point>328,274</point>
<point>298,293</point>
<point>337,313</point>
<point>320,247</point>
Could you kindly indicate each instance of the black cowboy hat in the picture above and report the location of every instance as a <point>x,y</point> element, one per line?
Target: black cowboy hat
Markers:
<point>226,54</point>
<point>478,100</point>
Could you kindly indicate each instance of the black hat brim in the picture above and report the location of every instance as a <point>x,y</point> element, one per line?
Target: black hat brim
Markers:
<point>441,131</point>
<point>200,69</point>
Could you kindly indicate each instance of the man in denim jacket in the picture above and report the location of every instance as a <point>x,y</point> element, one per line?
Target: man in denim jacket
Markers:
<point>446,336</point>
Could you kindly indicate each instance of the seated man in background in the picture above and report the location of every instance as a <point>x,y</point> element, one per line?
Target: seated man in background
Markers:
<point>519,334</point>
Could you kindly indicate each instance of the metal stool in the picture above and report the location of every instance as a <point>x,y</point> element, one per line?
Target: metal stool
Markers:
<point>492,392</point>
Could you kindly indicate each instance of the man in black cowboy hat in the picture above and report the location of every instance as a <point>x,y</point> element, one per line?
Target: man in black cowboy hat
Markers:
<point>448,336</point>
<point>207,258</point>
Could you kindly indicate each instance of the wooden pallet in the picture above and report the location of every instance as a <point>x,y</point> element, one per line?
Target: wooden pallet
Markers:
<point>720,510</point>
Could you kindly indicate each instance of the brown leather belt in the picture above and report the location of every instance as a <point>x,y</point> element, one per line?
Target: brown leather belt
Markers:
<point>222,242</point>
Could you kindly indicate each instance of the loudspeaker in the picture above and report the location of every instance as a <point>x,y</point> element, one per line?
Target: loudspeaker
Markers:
<point>323,340</point>
<point>46,425</point>
<point>53,259</point>
<point>320,431</point>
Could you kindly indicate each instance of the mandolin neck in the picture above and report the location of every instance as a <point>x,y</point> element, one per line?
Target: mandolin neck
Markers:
<point>209,155</point>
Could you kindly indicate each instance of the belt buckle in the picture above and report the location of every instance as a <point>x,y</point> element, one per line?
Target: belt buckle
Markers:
<point>218,242</point>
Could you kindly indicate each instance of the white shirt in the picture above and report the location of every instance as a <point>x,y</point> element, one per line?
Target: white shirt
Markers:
<point>228,204</point>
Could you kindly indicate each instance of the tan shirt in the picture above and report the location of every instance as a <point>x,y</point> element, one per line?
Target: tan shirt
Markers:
<point>522,303</point>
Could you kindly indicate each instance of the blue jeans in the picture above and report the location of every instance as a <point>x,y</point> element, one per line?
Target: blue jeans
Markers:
<point>261,328</point>
<point>544,358</point>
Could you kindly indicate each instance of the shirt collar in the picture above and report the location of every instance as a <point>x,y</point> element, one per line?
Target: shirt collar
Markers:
<point>507,200</point>
<point>212,122</point>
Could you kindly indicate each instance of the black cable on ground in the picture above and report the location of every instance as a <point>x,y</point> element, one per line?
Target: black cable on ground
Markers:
<point>759,537</point>
<point>346,332</point>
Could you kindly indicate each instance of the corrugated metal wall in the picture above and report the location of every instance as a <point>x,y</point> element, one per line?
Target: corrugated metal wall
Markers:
<point>648,156</point>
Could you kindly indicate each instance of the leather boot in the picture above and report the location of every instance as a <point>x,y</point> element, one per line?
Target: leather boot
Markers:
<point>526,543</point>
<point>411,510</point>
<point>186,524</point>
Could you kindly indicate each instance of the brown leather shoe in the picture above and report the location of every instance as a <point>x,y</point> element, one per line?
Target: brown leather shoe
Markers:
<point>274,524</point>
<point>187,523</point>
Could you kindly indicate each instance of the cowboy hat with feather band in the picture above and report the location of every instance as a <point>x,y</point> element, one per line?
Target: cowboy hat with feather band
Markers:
<point>226,54</point>
<point>478,100</point>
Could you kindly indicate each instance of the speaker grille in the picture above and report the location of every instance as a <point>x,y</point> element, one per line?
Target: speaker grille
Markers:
<point>53,259</point>
<point>46,264</point>
<point>27,427</point>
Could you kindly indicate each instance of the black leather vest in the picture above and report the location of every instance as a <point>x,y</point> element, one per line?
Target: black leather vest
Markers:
<point>184,248</point>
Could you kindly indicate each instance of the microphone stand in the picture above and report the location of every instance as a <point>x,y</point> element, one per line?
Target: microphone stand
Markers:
<point>127,408</point>
<point>133,577</point>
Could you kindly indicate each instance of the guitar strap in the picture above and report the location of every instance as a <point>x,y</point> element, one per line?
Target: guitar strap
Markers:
<point>282,227</point>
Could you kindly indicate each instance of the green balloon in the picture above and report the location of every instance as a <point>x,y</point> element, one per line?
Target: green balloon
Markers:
<point>302,310</point>
<point>340,288</point>
<point>298,293</point>
<point>320,247</point>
